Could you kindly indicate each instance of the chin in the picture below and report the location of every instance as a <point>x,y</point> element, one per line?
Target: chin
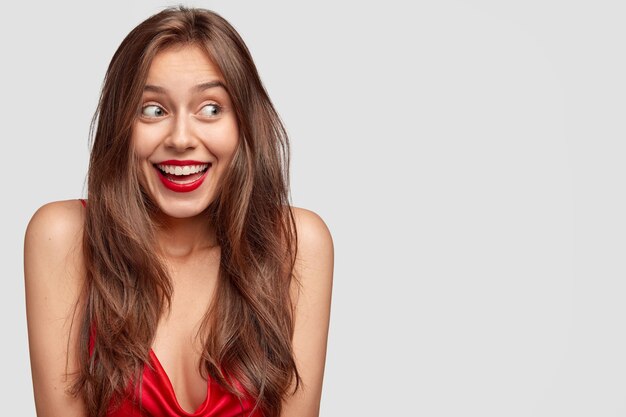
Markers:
<point>181,209</point>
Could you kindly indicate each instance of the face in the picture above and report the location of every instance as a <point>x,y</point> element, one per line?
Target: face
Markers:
<point>185,134</point>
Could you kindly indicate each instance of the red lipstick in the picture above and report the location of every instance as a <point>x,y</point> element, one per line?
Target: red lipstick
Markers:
<point>182,183</point>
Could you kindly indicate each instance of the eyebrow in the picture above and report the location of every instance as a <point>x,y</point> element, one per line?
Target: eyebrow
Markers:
<point>198,88</point>
<point>210,84</point>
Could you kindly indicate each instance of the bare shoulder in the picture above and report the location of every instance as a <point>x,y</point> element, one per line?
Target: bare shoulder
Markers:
<point>56,222</point>
<point>53,242</point>
<point>54,274</point>
<point>314,272</point>
<point>315,242</point>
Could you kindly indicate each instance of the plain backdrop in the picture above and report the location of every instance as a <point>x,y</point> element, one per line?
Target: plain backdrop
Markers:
<point>467,157</point>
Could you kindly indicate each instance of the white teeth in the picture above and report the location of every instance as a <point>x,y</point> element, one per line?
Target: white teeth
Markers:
<point>182,170</point>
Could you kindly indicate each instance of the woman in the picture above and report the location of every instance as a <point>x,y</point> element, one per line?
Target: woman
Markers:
<point>185,284</point>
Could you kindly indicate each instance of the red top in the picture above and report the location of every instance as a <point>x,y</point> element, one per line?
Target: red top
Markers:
<point>159,400</point>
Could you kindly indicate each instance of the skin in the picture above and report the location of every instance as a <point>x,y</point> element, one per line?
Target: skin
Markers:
<point>177,121</point>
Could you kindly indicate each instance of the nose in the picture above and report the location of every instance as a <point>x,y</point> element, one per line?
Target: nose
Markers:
<point>181,137</point>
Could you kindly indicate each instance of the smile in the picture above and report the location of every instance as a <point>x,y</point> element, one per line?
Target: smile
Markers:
<point>182,176</point>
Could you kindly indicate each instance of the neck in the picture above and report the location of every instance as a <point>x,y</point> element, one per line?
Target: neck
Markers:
<point>180,238</point>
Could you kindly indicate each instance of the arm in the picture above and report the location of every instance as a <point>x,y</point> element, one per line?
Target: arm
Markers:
<point>314,269</point>
<point>53,273</point>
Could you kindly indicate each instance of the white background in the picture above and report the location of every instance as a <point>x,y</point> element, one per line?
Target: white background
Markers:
<point>466,155</point>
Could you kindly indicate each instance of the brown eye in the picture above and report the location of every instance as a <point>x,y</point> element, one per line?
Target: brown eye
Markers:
<point>152,110</point>
<point>211,110</point>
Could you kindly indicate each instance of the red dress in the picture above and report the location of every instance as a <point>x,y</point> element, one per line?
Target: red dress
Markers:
<point>159,400</point>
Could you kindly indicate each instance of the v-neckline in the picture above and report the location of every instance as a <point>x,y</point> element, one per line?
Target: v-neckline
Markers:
<point>200,409</point>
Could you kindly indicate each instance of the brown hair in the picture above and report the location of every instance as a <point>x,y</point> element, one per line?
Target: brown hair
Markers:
<point>249,325</point>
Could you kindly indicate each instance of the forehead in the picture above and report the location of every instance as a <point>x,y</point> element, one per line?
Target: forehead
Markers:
<point>182,63</point>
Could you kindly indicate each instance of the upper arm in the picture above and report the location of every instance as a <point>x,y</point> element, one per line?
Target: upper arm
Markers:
<point>54,273</point>
<point>314,272</point>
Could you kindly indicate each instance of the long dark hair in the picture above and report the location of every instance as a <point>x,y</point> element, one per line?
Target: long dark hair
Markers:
<point>249,326</point>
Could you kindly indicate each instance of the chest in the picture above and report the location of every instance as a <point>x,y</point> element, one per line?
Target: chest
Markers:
<point>177,345</point>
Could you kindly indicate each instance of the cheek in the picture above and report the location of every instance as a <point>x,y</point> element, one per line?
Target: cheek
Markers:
<point>143,145</point>
<point>224,142</point>
<point>140,146</point>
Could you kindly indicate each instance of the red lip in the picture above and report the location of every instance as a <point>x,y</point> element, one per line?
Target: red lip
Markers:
<point>181,188</point>
<point>180,163</point>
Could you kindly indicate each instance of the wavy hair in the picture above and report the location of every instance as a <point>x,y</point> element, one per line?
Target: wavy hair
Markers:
<point>248,329</point>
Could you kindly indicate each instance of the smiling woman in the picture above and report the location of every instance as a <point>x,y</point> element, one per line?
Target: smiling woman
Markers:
<point>186,285</point>
<point>186,111</point>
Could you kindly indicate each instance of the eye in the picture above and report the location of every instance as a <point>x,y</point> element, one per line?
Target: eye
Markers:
<point>152,110</point>
<point>211,110</point>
